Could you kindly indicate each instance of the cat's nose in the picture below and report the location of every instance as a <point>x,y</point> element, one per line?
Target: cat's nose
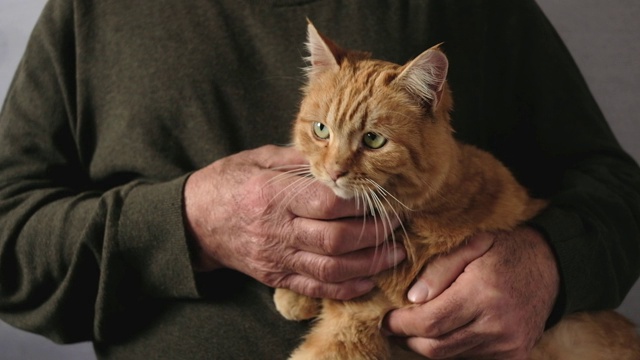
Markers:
<point>336,173</point>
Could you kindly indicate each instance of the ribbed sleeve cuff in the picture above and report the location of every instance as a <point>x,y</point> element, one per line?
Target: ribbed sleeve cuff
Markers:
<point>565,232</point>
<point>152,240</point>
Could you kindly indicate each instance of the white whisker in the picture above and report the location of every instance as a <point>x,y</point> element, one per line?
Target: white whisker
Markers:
<point>386,193</point>
<point>368,201</point>
<point>298,170</point>
<point>381,210</point>
<point>303,175</point>
<point>301,184</point>
<point>283,167</point>
<point>360,197</point>
<point>386,221</point>
<point>395,213</point>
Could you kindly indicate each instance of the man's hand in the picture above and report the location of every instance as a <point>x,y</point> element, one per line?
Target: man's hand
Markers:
<point>488,299</point>
<point>285,231</point>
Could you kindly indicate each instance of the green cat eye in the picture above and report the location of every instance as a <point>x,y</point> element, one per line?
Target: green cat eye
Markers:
<point>321,130</point>
<point>374,141</point>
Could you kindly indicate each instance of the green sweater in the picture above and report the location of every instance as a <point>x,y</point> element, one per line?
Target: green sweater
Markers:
<point>116,102</point>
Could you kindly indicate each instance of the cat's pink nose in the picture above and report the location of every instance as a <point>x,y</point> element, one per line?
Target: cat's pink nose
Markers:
<point>336,174</point>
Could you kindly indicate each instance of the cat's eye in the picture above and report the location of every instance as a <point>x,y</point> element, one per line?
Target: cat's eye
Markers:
<point>374,141</point>
<point>321,130</point>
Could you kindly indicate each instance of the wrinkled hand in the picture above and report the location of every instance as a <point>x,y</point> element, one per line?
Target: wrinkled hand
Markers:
<point>489,299</point>
<point>245,216</point>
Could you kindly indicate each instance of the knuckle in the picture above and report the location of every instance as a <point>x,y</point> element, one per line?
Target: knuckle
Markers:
<point>326,239</point>
<point>311,289</point>
<point>431,328</point>
<point>434,350</point>
<point>265,272</point>
<point>428,325</point>
<point>332,244</point>
<point>268,263</point>
<point>264,275</point>
<point>328,270</point>
<point>453,344</point>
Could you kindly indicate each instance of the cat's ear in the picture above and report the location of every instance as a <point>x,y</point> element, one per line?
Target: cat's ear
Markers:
<point>324,54</point>
<point>426,75</point>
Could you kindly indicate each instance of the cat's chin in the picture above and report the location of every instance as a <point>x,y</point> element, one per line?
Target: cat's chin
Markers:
<point>342,193</point>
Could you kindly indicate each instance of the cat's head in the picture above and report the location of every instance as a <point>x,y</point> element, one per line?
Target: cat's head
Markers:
<point>366,124</point>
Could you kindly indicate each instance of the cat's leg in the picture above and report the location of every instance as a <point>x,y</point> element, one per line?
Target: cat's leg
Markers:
<point>345,331</point>
<point>293,306</point>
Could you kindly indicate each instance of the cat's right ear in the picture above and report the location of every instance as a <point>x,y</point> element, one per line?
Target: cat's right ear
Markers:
<point>425,76</point>
<point>324,54</point>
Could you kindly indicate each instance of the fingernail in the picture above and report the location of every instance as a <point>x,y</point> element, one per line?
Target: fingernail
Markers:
<point>419,293</point>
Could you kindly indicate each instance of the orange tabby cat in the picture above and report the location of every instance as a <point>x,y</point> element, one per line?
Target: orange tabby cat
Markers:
<point>381,133</point>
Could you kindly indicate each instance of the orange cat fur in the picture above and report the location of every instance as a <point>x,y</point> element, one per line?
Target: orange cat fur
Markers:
<point>365,123</point>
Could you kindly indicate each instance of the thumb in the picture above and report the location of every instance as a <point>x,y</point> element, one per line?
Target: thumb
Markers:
<point>441,272</point>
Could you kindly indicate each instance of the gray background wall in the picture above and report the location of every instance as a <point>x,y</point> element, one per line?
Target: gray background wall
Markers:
<point>602,35</point>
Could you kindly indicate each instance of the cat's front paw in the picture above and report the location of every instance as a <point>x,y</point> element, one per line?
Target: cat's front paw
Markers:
<point>293,306</point>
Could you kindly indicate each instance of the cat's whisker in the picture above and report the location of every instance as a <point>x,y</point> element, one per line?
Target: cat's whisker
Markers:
<point>288,175</point>
<point>378,194</point>
<point>406,241</point>
<point>294,170</point>
<point>386,220</point>
<point>296,187</point>
<point>297,166</point>
<point>284,176</point>
<point>381,211</point>
<point>358,197</point>
<point>302,184</point>
<point>398,217</point>
<point>370,208</point>
<point>301,173</point>
<point>386,193</point>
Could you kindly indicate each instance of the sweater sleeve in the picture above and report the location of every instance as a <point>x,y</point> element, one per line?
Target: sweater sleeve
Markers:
<point>76,255</point>
<point>571,156</point>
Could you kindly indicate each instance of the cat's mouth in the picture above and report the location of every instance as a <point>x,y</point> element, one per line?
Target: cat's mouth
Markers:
<point>340,189</point>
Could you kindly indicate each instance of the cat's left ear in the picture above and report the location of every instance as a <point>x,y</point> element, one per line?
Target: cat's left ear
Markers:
<point>426,75</point>
<point>324,54</point>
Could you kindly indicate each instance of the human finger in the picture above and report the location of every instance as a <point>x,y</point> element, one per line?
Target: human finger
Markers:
<point>441,272</point>
<point>433,319</point>
<point>444,347</point>
<point>353,265</point>
<point>338,237</point>
<point>315,288</point>
<point>318,201</point>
